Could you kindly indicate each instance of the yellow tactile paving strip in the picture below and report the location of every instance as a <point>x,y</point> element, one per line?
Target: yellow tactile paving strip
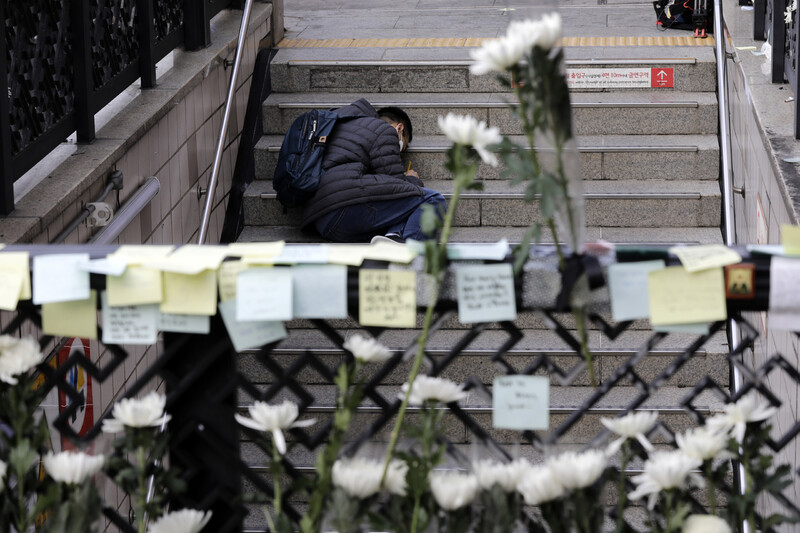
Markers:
<point>474,42</point>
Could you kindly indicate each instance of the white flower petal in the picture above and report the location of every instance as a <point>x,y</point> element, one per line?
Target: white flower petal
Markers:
<point>540,484</point>
<point>358,477</point>
<point>578,470</point>
<point>280,442</point>
<point>426,388</point>
<point>704,523</point>
<point>453,490</point>
<point>17,357</point>
<point>183,521</point>
<point>72,467</point>
<point>367,350</point>
<point>147,411</point>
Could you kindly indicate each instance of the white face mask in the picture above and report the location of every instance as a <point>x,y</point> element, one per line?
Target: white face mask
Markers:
<point>401,145</point>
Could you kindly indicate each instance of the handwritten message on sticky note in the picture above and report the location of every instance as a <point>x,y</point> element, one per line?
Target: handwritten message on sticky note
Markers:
<point>18,262</point>
<point>485,293</point>
<point>784,294</point>
<point>226,278</point>
<point>320,291</point>
<point>264,294</point>
<point>190,294</point>
<point>387,298</point>
<point>627,284</point>
<point>197,324</point>
<point>10,288</point>
<point>129,324</point>
<point>71,319</point>
<point>57,278</point>
<point>247,335</point>
<point>681,297</point>
<point>790,239</point>
<point>697,258</point>
<point>136,286</point>
<point>521,402</point>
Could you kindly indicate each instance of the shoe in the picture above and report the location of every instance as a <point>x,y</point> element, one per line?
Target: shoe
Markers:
<point>389,237</point>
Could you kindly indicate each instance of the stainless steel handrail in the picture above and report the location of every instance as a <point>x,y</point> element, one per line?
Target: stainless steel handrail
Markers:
<point>727,192</point>
<point>212,183</point>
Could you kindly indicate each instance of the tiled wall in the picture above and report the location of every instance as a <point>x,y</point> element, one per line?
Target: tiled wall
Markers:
<point>758,217</point>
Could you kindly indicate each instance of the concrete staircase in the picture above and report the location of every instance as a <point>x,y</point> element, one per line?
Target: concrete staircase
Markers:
<point>650,161</point>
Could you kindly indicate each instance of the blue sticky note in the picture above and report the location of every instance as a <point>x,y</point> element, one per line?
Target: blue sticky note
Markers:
<point>485,293</point>
<point>264,294</point>
<point>319,291</point>
<point>627,284</point>
<point>700,328</point>
<point>246,335</point>
<point>521,402</point>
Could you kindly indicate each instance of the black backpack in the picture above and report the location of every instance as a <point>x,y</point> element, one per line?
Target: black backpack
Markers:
<point>299,167</point>
<point>697,15</point>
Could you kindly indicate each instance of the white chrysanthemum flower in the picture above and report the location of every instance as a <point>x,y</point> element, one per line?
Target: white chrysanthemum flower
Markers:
<point>72,467</point>
<point>3,468</point>
<point>453,490</point>
<point>359,477</point>
<point>274,419</point>
<point>395,480</point>
<point>183,521</point>
<point>426,388</point>
<point>578,470</point>
<point>543,33</point>
<point>665,470</point>
<point>497,55</point>
<point>508,475</point>
<point>790,9</point>
<point>540,485</point>
<point>17,356</point>
<point>702,443</point>
<point>705,523</point>
<point>634,425</point>
<point>467,131</point>
<point>736,416</point>
<point>367,350</point>
<point>137,413</point>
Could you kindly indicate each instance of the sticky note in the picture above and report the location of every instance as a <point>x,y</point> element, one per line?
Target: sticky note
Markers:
<point>701,328</point>
<point>18,262</point>
<point>387,298</point>
<point>485,293</point>
<point>191,259</point>
<point>627,285</point>
<point>226,279</point>
<point>264,294</point>
<point>255,249</point>
<point>103,266</point>
<point>347,254</point>
<point>137,286</point>
<point>319,291</point>
<point>57,278</point>
<point>681,297</point>
<point>10,289</point>
<point>479,251</point>
<point>784,294</point>
<point>129,324</point>
<point>521,402</point>
<point>247,335</point>
<point>190,294</point>
<point>297,254</point>
<point>135,254</point>
<point>697,258</point>
<point>198,324</point>
<point>790,239</point>
<point>71,319</point>
<point>390,251</point>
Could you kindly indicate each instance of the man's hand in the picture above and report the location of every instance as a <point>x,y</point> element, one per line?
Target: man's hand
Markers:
<point>413,173</point>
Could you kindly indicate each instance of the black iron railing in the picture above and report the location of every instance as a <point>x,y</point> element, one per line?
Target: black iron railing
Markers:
<point>64,60</point>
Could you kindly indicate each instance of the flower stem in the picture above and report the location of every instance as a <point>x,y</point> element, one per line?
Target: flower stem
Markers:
<point>621,495</point>
<point>276,480</point>
<point>415,516</point>
<point>580,320</point>
<point>141,497</point>
<point>708,467</point>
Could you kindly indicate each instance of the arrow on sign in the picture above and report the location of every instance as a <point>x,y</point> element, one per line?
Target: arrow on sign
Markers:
<point>661,74</point>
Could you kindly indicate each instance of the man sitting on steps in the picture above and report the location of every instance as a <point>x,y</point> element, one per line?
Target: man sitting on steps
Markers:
<point>365,193</point>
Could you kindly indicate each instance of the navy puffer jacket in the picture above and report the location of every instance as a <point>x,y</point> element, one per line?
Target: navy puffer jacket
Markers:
<point>362,164</point>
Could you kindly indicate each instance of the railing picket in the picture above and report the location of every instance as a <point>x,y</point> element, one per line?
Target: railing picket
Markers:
<point>6,174</point>
<point>197,29</point>
<point>82,58</point>
<point>147,41</point>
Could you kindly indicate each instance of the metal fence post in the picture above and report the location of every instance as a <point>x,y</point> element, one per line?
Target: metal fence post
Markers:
<point>80,20</point>
<point>6,172</point>
<point>196,27</point>
<point>147,41</point>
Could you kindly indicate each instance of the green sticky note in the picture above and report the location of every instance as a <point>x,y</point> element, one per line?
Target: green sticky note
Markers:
<point>627,284</point>
<point>246,335</point>
<point>319,291</point>
<point>521,402</point>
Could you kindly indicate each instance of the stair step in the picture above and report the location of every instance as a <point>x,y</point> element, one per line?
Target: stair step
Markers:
<point>339,69</point>
<point>608,157</point>
<point>651,203</point>
<point>618,113</point>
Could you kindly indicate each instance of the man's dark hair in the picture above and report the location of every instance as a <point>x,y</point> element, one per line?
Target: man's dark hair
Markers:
<point>395,114</point>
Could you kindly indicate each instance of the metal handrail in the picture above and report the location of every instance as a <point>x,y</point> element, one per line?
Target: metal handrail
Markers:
<point>727,196</point>
<point>212,184</point>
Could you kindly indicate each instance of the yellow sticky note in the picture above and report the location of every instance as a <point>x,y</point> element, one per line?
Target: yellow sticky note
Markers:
<point>71,319</point>
<point>387,298</point>
<point>697,258</point>
<point>191,259</point>
<point>137,286</point>
<point>790,239</point>
<point>255,249</point>
<point>190,294</point>
<point>10,286</point>
<point>18,262</point>
<point>226,278</point>
<point>681,297</point>
<point>389,251</point>
<point>347,254</point>
<point>134,254</point>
